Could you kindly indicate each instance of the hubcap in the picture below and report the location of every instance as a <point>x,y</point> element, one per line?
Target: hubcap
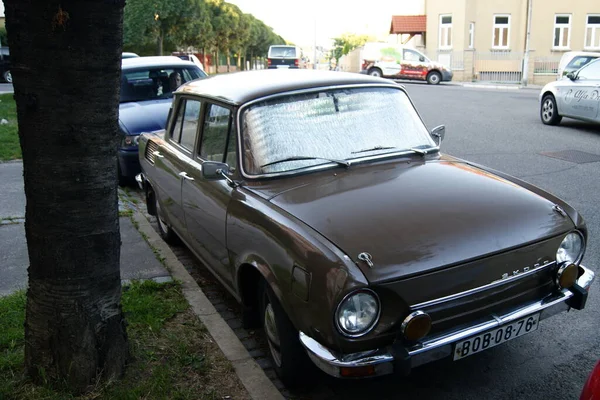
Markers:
<point>434,78</point>
<point>548,110</point>
<point>272,334</point>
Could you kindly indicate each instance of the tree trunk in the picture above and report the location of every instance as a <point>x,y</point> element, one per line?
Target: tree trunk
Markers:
<point>228,59</point>
<point>205,59</point>
<point>159,44</point>
<point>216,61</point>
<point>66,61</point>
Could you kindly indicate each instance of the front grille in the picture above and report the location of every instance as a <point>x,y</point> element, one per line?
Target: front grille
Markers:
<point>151,147</point>
<point>497,300</point>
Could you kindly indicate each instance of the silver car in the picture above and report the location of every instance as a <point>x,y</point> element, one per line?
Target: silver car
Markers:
<point>575,96</point>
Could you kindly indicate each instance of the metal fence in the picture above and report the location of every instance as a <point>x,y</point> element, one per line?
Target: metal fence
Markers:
<point>546,65</point>
<point>498,66</point>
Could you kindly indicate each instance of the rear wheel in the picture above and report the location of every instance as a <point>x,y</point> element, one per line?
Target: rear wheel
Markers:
<point>434,78</point>
<point>549,111</point>
<point>7,76</point>
<point>375,72</point>
<point>289,358</point>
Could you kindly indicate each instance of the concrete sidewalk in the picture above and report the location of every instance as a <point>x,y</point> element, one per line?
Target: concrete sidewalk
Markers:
<point>137,258</point>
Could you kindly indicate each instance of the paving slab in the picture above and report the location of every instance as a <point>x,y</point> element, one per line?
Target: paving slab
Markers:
<point>12,192</point>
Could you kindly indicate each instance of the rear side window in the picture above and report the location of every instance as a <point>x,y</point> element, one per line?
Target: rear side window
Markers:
<point>186,123</point>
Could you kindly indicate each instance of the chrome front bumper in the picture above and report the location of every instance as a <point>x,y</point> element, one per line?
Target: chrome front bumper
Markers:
<point>386,361</point>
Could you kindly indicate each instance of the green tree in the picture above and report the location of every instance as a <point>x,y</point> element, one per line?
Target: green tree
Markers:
<point>66,57</point>
<point>172,22</point>
<point>346,43</point>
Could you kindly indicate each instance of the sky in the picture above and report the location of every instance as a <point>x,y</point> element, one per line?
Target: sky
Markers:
<point>295,20</point>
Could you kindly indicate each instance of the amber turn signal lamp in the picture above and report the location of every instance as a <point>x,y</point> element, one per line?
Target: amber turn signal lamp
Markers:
<point>416,326</point>
<point>357,372</point>
<point>567,275</point>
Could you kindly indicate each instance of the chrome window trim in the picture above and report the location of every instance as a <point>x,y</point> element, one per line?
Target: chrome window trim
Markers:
<point>325,165</point>
<point>479,289</point>
<point>375,321</point>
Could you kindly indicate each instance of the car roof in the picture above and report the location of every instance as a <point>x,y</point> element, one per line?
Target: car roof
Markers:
<point>240,87</point>
<point>154,61</point>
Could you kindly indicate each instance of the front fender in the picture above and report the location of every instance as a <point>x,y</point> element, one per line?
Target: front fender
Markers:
<point>274,242</point>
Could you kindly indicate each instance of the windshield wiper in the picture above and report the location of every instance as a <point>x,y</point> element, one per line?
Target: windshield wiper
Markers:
<point>373,149</point>
<point>300,158</point>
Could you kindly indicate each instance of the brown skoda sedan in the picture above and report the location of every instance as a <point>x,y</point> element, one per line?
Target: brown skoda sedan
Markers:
<point>324,205</point>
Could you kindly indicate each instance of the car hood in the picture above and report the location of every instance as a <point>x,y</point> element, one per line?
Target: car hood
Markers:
<point>144,116</point>
<point>419,217</point>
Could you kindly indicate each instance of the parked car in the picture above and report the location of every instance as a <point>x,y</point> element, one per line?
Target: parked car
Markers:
<point>571,61</point>
<point>283,56</point>
<point>591,389</point>
<point>324,205</point>
<point>189,57</point>
<point>577,96</point>
<point>128,55</point>
<point>397,62</point>
<point>147,86</point>
<point>5,65</point>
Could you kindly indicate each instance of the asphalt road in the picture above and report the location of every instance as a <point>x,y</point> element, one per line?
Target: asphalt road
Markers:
<point>502,129</point>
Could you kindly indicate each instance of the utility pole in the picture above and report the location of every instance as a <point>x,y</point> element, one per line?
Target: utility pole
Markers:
<point>526,56</point>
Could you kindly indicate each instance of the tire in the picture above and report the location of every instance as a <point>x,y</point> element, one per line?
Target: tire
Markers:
<point>434,78</point>
<point>123,181</point>
<point>7,76</point>
<point>164,230</point>
<point>289,359</point>
<point>375,72</point>
<point>548,111</point>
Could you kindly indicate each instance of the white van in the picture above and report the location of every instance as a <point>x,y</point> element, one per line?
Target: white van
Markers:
<point>284,56</point>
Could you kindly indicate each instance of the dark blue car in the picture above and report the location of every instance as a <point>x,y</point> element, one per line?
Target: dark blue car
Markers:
<point>147,86</point>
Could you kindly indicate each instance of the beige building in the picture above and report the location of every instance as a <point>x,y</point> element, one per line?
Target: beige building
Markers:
<point>485,39</point>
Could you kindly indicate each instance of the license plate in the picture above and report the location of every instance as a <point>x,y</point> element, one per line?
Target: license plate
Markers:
<point>495,337</point>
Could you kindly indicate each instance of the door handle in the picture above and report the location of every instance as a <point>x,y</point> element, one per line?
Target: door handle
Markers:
<point>185,176</point>
<point>157,154</point>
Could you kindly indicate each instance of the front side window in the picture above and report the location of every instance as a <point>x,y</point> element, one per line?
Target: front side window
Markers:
<point>152,83</point>
<point>215,133</point>
<point>562,32</point>
<point>445,31</point>
<point>340,124</point>
<point>592,32</point>
<point>411,55</point>
<point>501,34</point>
<point>591,71</point>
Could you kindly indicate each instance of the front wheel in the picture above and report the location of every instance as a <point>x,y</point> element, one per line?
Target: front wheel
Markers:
<point>289,358</point>
<point>549,111</point>
<point>164,230</point>
<point>434,78</point>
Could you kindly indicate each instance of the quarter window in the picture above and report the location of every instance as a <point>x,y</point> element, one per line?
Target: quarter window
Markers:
<point>592,32</point>
<point>501,32</point>
<point>445,31</point>
<point>186,124</point>
<point>562,32</point>
<point>215,134</point>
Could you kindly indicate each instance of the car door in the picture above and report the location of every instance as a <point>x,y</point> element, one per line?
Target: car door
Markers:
<point>412,66</point>
<point>205,202</point>
<point>581,97</point>
<point>172,158</point>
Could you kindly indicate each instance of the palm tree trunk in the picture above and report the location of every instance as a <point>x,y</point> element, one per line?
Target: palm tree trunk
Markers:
<point>68,127</point>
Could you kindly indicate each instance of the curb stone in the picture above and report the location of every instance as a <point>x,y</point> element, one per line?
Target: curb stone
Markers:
<point>256,382</point>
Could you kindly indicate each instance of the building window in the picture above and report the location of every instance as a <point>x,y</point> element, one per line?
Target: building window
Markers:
<point>471,35</point>
<point>445,31</point>
<point>562,32</point>
<point>592,32</point>
<point>501,37</point>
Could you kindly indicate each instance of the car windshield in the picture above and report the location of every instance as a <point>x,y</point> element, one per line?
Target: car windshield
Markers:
<point>154,83</point>
<point>337,124</point>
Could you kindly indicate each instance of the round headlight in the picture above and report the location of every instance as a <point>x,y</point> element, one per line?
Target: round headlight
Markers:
<point>357,313</point>
<point>571,249</point>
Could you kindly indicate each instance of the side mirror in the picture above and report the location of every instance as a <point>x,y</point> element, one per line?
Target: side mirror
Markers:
<point>421,58</point>
<point>438,133</point>
<point>572,76</point>
<point>216,171</point>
